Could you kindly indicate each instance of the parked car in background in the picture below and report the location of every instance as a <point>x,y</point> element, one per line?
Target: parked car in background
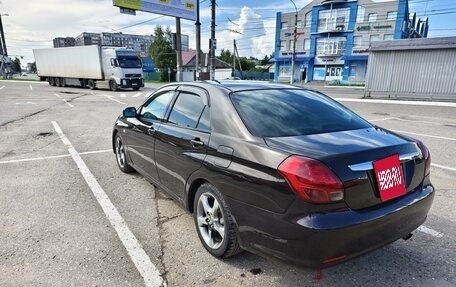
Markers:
<point>277,170</point>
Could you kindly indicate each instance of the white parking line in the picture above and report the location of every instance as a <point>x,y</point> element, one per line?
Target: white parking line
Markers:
<point>1,88</point>
<point>136,95</point>
<point>443,167</point>
<point>57,95</point>
<point>52,156</point>
<point>123,95</point>
<point>111,98</point>
<point>146,268</point>
<point>424,135</point>
<point>429,231</point>
<point>68,103</point>
<point>404,120</point>
<point>31,88</point>
<point>396,102</point>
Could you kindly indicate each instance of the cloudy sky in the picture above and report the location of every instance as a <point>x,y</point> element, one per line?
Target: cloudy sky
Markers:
<point>33,24</point>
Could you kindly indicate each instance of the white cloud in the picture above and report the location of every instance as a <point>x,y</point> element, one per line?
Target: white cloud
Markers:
<point>253,39</point>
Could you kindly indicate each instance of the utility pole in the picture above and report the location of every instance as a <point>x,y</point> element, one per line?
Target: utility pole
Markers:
<point>213,40</point>
<point>234,57</point>
<point>4,53</point>
<point>178,50</point>
<point>198,40</point>
<point>293,56</point>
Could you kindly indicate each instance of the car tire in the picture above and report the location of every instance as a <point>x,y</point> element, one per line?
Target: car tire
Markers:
<point>91,84</point>
<point>52,81</point>
<point>135,88</point>
<point>214,223</point>
<point>113,86</point>
<point>83,83</point>
<point>57,82</point>
<point>121,156</point>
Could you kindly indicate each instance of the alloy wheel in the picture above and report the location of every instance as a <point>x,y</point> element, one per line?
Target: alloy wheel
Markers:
<point>211,222</point>
<point>120,153</point>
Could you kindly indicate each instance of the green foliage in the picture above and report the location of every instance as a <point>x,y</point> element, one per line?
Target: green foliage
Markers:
<point>226,56</point>
<point>33,67</point>
<point>162,52</point>
<point>265,60</point>
<point>16,65</point>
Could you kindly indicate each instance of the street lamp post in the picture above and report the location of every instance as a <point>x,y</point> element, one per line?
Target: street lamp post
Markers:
<point>293,56</point>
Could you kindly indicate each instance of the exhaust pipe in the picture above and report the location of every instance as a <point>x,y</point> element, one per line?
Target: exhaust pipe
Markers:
<point>408,236</point>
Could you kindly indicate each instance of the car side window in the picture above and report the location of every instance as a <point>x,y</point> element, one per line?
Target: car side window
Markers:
<point>187,110</point>
<point>155,109</point>
<point>205,120</point>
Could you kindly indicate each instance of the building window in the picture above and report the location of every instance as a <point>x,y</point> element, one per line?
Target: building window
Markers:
<point>374,38</point>
<point>283,46</point>
<point>333,20</point>
<point>357,41</point>
<point>307,44</point>
<point>331,46</point>
<point>284,25</point>
<point>309,19</point>
<point>360,16</point>
<point>299,24</point>
<point>372,17</point>
<point>284,70</point>
<point>388,37</point>
<point>391,16</point>
<point>290,45</point>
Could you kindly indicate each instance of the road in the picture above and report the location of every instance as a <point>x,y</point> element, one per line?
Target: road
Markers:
<point>68,216</point>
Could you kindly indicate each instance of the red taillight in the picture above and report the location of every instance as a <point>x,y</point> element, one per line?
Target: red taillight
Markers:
<point>311,180</point>
<point>426,157</point>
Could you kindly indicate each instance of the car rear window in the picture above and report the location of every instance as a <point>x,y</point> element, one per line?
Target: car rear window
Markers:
<point>292,112</point>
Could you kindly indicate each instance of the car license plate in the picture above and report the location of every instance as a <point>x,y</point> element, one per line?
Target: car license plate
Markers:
<point>390,177</point>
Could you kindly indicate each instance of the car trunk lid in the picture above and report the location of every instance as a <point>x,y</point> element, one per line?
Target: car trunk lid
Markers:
<point>350,154</point>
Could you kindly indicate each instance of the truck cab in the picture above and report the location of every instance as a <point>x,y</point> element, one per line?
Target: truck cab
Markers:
<point>122,68</point>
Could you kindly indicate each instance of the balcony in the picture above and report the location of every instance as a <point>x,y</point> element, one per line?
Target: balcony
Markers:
<point>331,47</point>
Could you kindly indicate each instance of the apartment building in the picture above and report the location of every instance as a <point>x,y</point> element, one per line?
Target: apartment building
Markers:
<point>333,37</point>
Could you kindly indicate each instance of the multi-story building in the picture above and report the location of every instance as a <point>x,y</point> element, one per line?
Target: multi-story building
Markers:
<point>333,37</point>
<point>87,39</point>
<point>139,43</point>
<point>64,42</point>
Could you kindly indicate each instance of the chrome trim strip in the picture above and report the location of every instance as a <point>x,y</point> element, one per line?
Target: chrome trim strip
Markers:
<point>368,165</point>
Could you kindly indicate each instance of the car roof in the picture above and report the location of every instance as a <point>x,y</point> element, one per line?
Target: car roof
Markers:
<point>237,85</point>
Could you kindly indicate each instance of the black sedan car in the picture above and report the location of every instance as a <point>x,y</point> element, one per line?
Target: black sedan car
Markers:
<point>277,170</point>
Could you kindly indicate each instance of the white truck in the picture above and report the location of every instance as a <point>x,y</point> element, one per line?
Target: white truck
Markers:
<point>90,66</point>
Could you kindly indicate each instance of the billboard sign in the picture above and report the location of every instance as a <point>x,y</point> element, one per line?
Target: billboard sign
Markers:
<point>185,9</point>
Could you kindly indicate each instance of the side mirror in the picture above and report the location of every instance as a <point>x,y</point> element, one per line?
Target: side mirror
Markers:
<point>114,63</point>
<point>130,112</point>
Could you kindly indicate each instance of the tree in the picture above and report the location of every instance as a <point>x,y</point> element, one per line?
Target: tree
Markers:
<point>226,56</point>
<point>33,67</point>
<point>162,52</point>
<point>16,65</point>
<point>265,60</point>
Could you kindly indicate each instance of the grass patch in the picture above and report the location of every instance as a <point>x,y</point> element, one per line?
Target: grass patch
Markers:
<point>346,84</point>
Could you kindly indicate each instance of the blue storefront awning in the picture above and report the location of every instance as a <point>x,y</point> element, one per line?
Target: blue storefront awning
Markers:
<point>302,60</point>
<point>356,57</point>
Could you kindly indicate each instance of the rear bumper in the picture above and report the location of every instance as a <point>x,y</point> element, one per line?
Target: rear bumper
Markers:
<point>132,83</point>
<point>324,239</point>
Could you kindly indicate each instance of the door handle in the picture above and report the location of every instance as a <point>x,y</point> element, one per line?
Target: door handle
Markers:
<point>151,131</point>
<point>196,143</point>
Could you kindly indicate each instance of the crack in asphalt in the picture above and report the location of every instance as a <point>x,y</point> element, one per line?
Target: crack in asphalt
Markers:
<point>39,112</point>
<point>160,238</point>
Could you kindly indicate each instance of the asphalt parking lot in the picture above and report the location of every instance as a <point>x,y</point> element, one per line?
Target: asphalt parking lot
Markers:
<point>68,216</point>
